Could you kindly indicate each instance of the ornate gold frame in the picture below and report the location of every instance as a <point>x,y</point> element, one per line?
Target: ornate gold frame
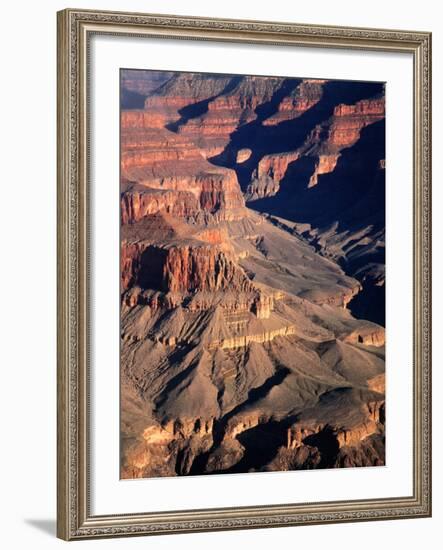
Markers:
<point>75,28</point>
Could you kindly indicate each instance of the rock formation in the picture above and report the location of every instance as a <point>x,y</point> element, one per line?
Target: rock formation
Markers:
<point>251,226</point>
<point>136,85</point>
<point>307,94</point>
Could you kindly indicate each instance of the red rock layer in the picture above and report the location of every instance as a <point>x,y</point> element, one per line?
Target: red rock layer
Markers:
<point>163,171</point>
<point>135,205</point>
<point>344,127</point>
<point>202,268</point>
<point>306,95</point>
<point>183,268</point>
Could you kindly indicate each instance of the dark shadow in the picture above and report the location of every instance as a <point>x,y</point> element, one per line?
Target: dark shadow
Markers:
<point>150,274</point>
<point>327,445</point>
<point>48,526</point>
<point>369,304</point>
<point>261,446</point>
<point>132,100</point>
<point>180,462</point>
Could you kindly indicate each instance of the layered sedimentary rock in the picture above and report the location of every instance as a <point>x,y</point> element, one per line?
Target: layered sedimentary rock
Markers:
<point>235,106</point>
<point>239,347</point>
<point>136,85</point>
<point>348,120</point>
<point>270,171</point>
<point>143,82</point>
<point>342,438</point>
<point>162,171</point>
<point>307,94</point>
<point>181,92</point>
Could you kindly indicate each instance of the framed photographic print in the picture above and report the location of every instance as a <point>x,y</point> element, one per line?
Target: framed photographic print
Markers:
<point>243,274</point>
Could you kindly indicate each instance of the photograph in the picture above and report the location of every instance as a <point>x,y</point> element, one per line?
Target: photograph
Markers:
<point>252,273</point>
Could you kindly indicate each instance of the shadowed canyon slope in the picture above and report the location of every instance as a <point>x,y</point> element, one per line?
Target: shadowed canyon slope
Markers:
<point>252,274</point>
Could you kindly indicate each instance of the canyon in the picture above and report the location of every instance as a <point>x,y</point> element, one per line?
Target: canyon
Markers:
<point>252,274</point>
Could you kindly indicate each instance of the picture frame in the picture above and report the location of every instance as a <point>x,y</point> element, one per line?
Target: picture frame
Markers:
<point>76,28</point>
